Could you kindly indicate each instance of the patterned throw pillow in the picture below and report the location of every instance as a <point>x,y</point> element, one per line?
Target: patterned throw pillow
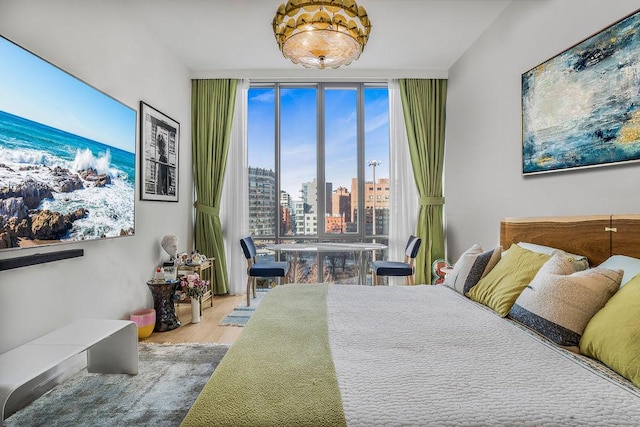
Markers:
<point>472,266</point>
<point>559,302</point>
<point>612,336</point>
<point>502,286</point>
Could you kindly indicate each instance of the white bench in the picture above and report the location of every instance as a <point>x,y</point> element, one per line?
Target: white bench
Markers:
<point>111,346</point>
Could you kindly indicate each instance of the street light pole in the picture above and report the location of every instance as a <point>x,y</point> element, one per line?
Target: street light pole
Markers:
<point>374,163</point>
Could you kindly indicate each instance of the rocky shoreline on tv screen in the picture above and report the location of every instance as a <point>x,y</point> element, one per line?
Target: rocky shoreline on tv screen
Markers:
<point>24,223</point>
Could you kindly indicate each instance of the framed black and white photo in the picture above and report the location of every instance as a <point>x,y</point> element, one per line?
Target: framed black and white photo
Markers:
<point>159,138</point>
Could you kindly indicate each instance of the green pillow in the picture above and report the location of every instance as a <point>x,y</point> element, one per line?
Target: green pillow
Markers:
<point>505,282</point>
<point>612,336</point>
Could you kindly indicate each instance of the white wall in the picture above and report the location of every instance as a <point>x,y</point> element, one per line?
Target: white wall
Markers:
<point>103,44</point>
<point>483,180</point>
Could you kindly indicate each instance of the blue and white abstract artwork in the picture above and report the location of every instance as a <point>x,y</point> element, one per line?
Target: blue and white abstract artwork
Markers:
<point>581,108</point>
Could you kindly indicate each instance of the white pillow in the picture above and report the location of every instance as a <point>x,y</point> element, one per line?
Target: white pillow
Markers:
<point>630,266</point>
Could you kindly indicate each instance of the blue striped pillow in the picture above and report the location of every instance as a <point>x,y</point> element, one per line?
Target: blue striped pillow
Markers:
<point>472,266</point>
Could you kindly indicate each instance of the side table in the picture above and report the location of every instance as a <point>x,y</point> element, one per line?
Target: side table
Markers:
<point>440,269</point>
<point>163,292</point>
<point>184,269</point>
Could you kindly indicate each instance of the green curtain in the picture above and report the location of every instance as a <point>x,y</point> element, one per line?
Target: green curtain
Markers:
<point>212,105</point>
<point>424,107</point>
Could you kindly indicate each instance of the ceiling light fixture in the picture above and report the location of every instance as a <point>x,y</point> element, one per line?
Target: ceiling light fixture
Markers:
<point>321,33</point>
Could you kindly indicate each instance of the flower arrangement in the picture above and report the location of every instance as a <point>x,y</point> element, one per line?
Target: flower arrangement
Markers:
<point>192,286</point>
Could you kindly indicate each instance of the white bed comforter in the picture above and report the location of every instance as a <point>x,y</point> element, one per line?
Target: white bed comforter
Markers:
<point>426,355</point>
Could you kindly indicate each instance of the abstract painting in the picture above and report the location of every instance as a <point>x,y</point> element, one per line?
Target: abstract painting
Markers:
<point>581,108</point>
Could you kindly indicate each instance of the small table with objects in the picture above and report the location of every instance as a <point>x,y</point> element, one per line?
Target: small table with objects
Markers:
<point>184,269</point>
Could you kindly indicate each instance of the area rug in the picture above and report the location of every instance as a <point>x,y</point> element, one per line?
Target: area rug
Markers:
<point>241,314</point>
<point>170,378</point>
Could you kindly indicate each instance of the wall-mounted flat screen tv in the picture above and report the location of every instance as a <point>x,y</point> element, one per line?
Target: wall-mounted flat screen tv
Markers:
<point>67,156</point>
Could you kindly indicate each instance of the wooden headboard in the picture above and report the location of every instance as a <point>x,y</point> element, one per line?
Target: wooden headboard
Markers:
<point>595,236</point>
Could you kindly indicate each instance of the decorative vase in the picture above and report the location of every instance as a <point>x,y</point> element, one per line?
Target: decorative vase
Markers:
<point>195,310</point>
<point>146,321</point>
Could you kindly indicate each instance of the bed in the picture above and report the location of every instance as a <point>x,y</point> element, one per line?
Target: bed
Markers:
<point>427,355</point>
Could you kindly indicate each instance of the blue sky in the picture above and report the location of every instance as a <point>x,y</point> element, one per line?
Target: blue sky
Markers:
<point>298,114</point>
<point>36,90</point>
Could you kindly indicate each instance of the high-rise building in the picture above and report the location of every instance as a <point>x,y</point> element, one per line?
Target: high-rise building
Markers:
<point>380,192</point>
<point>285,199</point>
<point>376,196</point>
<point>310,224</point>
<point>309,194</point>
<point>341,203</point>
<point>262,202</point>
<point>298,216</point>
<point>287,215</point>
<point>339,216</point>
<point>328,197</point>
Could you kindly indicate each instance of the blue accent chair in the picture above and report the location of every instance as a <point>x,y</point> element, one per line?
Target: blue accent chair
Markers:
<point>257,269</point>
<point>396,268</point>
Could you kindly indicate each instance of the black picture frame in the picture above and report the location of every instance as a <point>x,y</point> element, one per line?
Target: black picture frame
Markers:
<point>159,140</point>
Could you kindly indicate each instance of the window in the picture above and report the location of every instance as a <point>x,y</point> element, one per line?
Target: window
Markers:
<point>323,149</point>
<point>262,178</point>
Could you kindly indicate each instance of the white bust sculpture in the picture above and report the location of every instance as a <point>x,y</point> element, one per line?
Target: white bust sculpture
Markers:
<point>170,246</point>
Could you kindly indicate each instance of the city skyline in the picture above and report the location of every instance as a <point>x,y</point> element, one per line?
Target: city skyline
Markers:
<point>335,188</point>
<point>302,216</point>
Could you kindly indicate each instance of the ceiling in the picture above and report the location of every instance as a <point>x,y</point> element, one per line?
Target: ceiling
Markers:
<point>234,38</point>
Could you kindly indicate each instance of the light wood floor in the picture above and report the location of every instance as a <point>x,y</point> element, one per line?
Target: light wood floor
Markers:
<point>208,330</point>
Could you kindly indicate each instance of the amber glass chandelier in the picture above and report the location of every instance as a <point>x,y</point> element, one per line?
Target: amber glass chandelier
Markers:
<point>321,33</point>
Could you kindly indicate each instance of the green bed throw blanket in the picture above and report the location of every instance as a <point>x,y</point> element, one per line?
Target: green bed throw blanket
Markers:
<point>279,371</point>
